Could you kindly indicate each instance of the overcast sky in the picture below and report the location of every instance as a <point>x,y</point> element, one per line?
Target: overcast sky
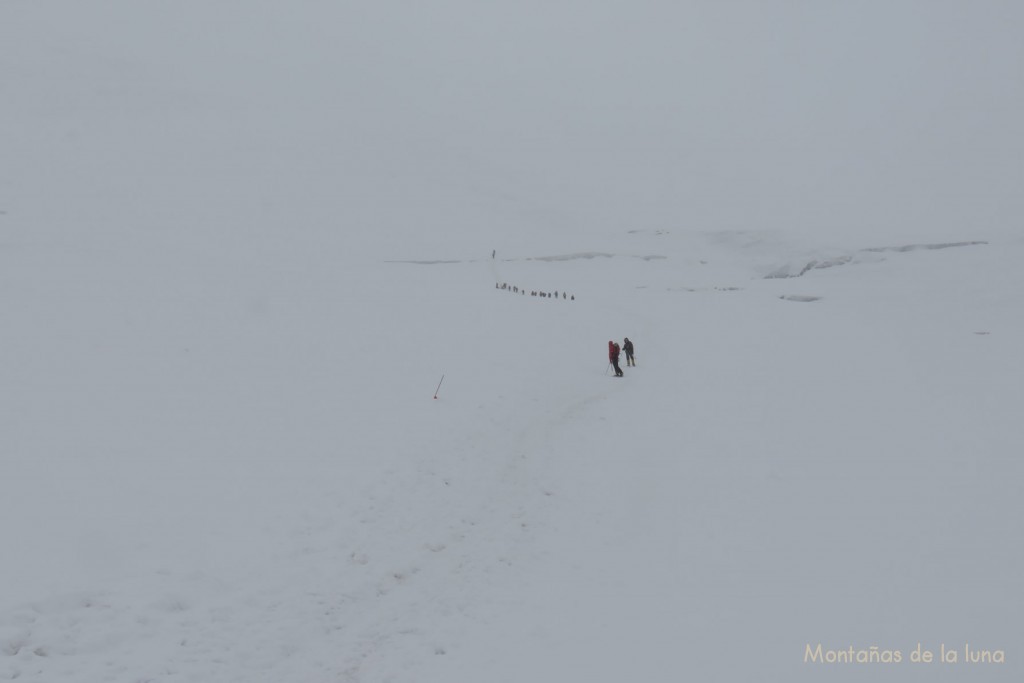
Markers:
<point>835,119</point>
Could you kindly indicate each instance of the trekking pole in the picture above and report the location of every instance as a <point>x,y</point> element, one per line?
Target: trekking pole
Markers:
<point>608,368</point>
<point>438,386</point>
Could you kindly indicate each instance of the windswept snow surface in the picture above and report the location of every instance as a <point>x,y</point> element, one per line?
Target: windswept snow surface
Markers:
<point>240,244</point>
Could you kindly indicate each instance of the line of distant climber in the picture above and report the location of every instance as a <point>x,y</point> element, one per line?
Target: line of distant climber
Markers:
<point>516,290</point>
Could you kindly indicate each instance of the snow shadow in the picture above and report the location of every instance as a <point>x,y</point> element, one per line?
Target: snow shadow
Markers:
<point>801,269</point>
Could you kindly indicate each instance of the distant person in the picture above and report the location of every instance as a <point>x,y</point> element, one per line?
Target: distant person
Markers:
<point>613,357</point>
<point>627,346</point>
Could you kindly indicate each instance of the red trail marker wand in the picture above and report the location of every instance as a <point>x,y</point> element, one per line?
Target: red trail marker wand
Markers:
<point>438,386</point>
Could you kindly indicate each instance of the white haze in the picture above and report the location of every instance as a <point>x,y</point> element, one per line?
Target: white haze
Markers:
<point>240,243</point>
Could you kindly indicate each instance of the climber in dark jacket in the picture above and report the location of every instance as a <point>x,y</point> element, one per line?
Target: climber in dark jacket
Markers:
<point>627,346</point>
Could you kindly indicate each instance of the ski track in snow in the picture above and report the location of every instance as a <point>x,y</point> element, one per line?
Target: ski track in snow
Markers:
<point>484,505</point>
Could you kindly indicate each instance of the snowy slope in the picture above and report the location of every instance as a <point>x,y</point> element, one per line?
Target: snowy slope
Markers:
<point>240,246</point>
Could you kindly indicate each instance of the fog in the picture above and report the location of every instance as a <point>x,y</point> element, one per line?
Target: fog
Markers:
<point>890,120</point>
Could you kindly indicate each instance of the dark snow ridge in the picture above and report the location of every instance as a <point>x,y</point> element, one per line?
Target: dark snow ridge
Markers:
<point>425,263</point>
<point>916,247</point>
<point>572,257</point>
<point>557,257</point>
<point>703,289</point>
<point>784,272</point>
<point>788,272</point>
<point>800,298</point>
